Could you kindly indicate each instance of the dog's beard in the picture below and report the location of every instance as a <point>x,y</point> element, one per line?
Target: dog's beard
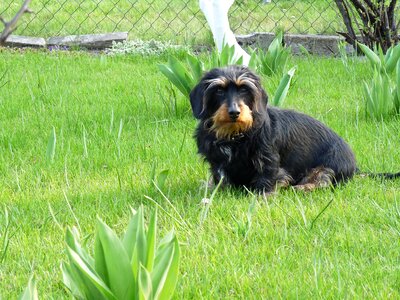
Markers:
<point>225,128</point>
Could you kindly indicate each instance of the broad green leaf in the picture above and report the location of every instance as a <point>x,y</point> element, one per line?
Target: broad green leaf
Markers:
<point>94,287</point>
<point>100,261</point>
<point>140,252</point>
<point>73,285</point>
<point>72,240</point>
<point>117,262</point>
<point>173,79</point>
<point>145,285</point>
<point>180,72</point>
<point>371,55</point>
<point>283,87</point>
<point>196,67</point>
<point>165,274</point>
<point>30,292</point>
<point>393,55</point>
<point>129,240</point>
<point>151,241</point>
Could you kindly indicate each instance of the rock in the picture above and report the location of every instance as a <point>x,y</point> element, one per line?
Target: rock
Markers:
<point>314,44</point>
<point>25,41</point>
<point>89,41</point>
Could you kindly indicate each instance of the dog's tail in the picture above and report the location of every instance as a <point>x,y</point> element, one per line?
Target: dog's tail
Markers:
<point>379,175</point>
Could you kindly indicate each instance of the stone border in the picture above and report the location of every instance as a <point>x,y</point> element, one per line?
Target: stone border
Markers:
<point>314,44</point>
<point>87,41</point>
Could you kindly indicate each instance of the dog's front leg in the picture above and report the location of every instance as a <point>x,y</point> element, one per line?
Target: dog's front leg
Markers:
<point>266,178</point>
<point>218,175</point>
<point>264,184</point>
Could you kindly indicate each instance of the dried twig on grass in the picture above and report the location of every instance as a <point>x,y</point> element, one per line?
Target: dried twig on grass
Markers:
<point>10,26</point>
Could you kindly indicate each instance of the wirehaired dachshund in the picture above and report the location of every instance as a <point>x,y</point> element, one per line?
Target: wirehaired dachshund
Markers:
<point>251,144</point>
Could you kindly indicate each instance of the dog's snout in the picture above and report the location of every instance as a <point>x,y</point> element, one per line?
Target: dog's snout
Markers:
<point>234,112</point>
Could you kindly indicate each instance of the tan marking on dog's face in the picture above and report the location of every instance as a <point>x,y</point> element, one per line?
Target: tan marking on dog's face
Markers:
<point>219,81</point>
<point>244,79</point>
<point>225,128</point>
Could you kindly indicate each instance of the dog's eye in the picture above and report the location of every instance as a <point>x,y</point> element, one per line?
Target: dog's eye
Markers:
<point>220,91</point>
<point>243,90</point>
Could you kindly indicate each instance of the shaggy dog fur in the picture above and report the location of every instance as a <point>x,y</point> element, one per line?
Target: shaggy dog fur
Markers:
<point>248,143</point>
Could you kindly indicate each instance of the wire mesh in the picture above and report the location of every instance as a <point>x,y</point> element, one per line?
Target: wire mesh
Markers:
<point>170,19</point>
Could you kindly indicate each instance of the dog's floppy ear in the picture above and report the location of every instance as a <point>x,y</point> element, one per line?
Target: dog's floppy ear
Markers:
<point>264,97</point>
<point>196,100</point>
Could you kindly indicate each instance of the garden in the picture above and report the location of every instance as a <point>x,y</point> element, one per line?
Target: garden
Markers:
<point>90,139</point>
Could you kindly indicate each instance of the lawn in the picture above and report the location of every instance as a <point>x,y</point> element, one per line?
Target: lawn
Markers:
<point>118,124</point>
<point>179,21</point>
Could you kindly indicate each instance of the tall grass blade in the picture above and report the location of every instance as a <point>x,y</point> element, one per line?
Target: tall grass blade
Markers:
<point>51,145</point>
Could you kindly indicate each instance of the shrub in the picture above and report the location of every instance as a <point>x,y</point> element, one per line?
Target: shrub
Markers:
<point>128,268</point>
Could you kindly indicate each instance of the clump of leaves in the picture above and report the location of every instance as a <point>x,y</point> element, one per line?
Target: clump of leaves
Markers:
<point>183,78</point>
<point>384,63</point>
<point>382,93</point>
<point>128,268</point>
<point>274,60</point>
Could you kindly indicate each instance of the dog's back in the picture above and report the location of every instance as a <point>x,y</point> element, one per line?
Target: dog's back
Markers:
<point>305,143</point>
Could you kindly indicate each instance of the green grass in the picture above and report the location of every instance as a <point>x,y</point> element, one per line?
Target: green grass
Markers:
<point>116,120</point>
<point>179,21</point>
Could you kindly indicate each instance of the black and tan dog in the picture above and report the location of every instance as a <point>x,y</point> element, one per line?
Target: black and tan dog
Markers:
<point>248,143</point>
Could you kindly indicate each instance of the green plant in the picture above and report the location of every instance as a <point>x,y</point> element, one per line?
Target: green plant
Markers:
<point>30,292</point>
<point>227,57</point>
<point>379,97</point>
<point>274,60</point>
<point>384,63</point>
<point>128,268</point>
<point>145,48</point>
<point>271,62</point>
<point>180,76</point>
<point>382,94</point>
<point>283,88</point>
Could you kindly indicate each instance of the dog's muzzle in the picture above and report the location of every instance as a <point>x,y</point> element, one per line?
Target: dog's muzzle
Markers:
<point>234,112</point>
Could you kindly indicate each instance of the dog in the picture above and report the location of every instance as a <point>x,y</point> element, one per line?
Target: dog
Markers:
<point>251,144</point>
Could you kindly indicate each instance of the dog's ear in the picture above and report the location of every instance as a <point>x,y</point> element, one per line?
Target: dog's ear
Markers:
<point>261,100</point>
<point>196,100</point>
<point>264,97</point>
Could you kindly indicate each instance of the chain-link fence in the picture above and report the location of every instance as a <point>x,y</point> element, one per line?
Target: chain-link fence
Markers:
<point>176,20</point>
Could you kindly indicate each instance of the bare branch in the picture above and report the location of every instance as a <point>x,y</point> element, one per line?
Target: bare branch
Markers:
<point>10,26</point>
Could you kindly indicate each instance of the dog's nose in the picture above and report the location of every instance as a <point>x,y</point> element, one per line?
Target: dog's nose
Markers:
<point>234,113</point>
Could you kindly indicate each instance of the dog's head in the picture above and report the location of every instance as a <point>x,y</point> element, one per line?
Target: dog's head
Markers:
<point>229,100</point>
